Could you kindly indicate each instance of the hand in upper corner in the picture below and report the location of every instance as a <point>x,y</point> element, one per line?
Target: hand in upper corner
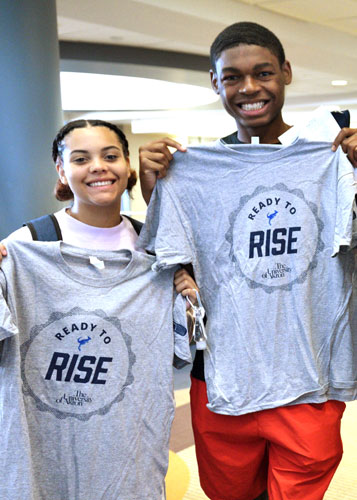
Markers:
<point>155,158</point>
<point>347,139</point>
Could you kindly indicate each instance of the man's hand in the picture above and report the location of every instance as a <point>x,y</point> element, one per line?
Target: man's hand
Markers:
<point>155,160</point>
<point>347,139</point>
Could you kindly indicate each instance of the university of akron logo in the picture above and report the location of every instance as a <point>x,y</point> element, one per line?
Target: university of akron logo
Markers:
<point>274,237</point>
<point>77,364</point>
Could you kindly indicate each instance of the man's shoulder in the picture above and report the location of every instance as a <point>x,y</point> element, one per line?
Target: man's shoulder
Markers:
<point>231,138</point>
<point>343,118</point>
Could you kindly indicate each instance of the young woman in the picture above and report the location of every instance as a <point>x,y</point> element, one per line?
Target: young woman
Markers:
<point>86,339</point>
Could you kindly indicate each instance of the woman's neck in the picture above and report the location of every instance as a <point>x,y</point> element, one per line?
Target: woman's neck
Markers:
<point>96,216</point>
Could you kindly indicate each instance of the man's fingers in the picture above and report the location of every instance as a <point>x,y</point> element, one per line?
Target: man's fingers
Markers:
<point>347,139</point>
<point>344,134</point>
<point>154,161</point>
<point>173,144</point>
<point>339,138</point>
<point>162,145</point>
<point>352,153</point>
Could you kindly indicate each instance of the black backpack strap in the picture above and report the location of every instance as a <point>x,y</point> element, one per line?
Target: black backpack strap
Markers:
<point>137,225</point>
<point>45,228</point>
<point>342,117</point>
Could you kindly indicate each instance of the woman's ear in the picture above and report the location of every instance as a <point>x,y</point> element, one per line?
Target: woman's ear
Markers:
<point>60,171</point>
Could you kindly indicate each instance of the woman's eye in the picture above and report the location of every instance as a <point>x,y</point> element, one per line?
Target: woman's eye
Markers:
<point>111,157</point>
<point>79,160</point>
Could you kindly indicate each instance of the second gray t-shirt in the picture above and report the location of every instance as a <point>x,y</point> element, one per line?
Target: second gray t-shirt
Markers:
<point>260,225</point>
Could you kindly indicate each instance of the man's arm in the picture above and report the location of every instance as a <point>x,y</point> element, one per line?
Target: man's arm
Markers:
<point>155,160</point>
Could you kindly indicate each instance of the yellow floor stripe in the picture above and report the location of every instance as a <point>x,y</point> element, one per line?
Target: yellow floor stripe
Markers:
<point>194,490</point>
<point>182,397</point>
<point>177,478</point>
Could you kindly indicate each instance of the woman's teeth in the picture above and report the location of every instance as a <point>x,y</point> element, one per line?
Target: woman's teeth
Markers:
<point>100,183</point>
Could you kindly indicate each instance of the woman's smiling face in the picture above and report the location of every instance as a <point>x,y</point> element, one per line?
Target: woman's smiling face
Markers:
<point>93,164</point>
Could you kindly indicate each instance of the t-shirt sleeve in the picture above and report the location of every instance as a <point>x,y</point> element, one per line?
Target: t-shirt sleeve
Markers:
<point>165,232</point>
<point>7,326</point>
<point>182,352</point>
<point>345,236</point>
<point>21,234</point>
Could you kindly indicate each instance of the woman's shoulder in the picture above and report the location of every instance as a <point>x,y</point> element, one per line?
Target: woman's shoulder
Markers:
<point>24,233</point>
<point>21,234</point>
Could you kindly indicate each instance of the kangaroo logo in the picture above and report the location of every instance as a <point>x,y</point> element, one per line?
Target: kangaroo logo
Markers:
<point>271,216</point>
<point>83,341</point>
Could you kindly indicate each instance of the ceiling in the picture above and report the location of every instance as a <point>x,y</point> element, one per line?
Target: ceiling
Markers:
<point>319,37</point>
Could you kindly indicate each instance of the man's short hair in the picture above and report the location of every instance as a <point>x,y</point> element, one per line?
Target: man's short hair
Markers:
<point>246,33</point>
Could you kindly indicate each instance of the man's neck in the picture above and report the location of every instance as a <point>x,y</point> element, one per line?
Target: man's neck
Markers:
<point>266,135</point>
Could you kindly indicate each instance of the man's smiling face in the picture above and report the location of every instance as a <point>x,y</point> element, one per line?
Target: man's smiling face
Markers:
<point>251,83</point>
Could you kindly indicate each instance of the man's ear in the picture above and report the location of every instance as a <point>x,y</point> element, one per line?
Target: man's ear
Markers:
<point>287,71</point>
<point>214,81</point>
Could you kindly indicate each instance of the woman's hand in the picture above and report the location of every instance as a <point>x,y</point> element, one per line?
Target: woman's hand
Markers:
<point>186,285</point>
<point>3,252</point>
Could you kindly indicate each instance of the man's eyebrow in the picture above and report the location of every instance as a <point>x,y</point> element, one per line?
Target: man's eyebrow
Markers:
<point>263,65</point>
<point>232,69</point>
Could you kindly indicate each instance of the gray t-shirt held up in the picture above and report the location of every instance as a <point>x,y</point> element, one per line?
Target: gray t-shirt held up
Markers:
<point>86,386</point>
<point>260,224</point>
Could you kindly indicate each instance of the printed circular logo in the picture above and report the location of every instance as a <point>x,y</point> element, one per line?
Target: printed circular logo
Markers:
<point>77,364</point>
<point>275,237</point>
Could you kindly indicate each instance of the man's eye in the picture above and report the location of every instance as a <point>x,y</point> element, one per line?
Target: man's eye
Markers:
<point>230,78</point>
<point>264,74</point>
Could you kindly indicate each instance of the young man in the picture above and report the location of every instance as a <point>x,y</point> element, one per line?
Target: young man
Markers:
<point>275,406</point>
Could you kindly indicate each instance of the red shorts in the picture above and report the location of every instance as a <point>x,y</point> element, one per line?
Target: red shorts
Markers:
<point>293,451</point>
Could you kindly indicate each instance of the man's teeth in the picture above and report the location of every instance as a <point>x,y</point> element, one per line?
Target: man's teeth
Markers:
<point>253,106</point>
<point>100,183</point>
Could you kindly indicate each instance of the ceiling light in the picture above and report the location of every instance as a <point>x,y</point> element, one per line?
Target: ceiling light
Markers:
<point>89,91</point>
<point>339,83</point>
